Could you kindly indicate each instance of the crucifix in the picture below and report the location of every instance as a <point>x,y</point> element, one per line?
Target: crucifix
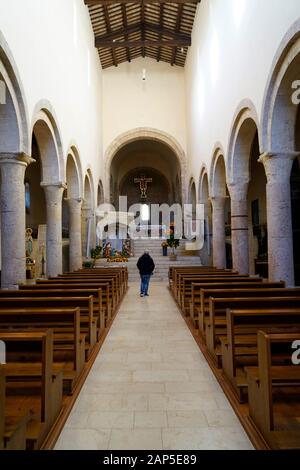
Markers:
<point>143,182</point>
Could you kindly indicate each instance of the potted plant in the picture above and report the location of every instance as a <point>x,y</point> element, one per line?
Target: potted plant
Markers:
<point>173,243</point>
<point>96,253</point>
<point>165,248</point>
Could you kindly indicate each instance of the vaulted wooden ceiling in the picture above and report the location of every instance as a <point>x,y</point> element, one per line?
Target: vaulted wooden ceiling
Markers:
<point>158,29</point>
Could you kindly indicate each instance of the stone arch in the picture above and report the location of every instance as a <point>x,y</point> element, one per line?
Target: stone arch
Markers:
<point>88,189</point>
<point>100,193</point>
<point>88,214</point>
<point>217,177</point>
<point>279,114</point>
<point>148,134</point>
<point>203,191</point>
<point>45,128</point>
<point>192,196</point>
<point>73,173</point>
<point>14,128</point>
<point>244,127</point>
<point>204,198</point>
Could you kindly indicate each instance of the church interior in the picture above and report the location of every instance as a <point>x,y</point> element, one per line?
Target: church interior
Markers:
<point>163,127</point>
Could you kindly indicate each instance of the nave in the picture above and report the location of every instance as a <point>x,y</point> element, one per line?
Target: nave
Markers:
<point>150,387</point>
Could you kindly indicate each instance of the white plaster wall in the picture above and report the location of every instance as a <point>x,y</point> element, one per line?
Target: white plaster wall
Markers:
<point>52,43</point>
<point>234,43</point>
<point>129,102</point>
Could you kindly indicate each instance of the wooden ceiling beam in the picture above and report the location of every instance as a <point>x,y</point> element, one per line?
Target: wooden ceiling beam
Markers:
<point>108,27</point>
<point>125,24</point>
<point>114,2</point>
<point>178,23</point>
<point>139,27</point>
<point>161,23</point>
<point>147,43</point>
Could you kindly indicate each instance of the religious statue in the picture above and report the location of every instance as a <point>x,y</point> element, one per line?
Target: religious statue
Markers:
<point>107,250</point>
<point>30,263</point>
<point>28,242</point>
<point>143,182</point>
<point>127,248</point>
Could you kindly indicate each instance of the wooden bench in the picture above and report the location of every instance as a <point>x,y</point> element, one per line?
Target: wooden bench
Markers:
<point>249,291</point>
<point>68,341</point>
<point>34,388</point>
<point>12,428</point>
<point>88,324</point>
<point>184,291</point>
<point>202,291</point>
<point>64,292</point>
<point>239,346</point>
<point>83,280</point>
<point>106,287</point>
<point>215,325</point>
<point>274,398</point>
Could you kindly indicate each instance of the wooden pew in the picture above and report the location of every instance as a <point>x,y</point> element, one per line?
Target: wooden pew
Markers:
<point>56,284</point>
<point>239,346</point>
<point>68,341</point>
<point>83,280</point>
<point>33,387</point>
<point>62,292</point>
<point>201,292</point>
<point>216,323</point>
<point>88,323</point>
<point>12,428</point>
<point>274,398</point>
<point>184,290</point>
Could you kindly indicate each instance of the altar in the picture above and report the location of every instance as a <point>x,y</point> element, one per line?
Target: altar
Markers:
<point>144,232</point>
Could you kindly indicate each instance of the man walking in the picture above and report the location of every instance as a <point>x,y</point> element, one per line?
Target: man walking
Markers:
<point>146,267</point>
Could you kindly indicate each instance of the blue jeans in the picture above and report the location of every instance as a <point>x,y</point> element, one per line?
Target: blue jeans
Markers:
<point>145,280</point>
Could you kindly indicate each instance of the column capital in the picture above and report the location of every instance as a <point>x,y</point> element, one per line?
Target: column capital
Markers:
<point>57,185</point>
<point>19,158</point>
<point>73,199</point>
<point>278,165</point>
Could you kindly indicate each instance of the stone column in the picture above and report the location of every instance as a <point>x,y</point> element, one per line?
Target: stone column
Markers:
<point>219,241</point>
<point>278,169</point>
<point>13,269</point>
<point>239,227</point>
<point>86,211</point>
<point>53,193</point>
<point>75,249</point>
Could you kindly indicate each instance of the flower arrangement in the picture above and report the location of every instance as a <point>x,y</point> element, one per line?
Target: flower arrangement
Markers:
<point>172,242</point>
<point>96,253</point>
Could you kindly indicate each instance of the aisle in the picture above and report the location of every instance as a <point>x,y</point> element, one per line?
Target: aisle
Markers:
<point>151,388</point>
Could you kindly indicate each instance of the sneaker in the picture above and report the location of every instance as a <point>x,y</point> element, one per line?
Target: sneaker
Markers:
<point>141,295</point>
<point>146,295</point>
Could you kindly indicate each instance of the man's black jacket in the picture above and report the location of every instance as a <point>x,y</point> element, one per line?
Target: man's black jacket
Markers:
<point>146,264</point>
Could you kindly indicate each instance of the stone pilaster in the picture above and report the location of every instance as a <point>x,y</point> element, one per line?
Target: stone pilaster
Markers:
<point>219,241</point>
<point>13,270</point>
<point>53,194</point>
<point>75,233</point>
<point>239,227</point>
<point>279,215</point>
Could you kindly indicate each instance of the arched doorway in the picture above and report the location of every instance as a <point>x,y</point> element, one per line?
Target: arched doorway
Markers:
<point>49,175</point>
<point>204,198</point>
<point>247,186</point>
<point>14,157</point>
<point>221,212</point>
<point>280,146</point>
<point>88,216</point>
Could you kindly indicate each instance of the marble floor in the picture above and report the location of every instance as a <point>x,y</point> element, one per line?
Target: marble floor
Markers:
<point>150,387</point>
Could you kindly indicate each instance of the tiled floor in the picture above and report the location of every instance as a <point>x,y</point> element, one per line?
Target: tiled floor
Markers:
<point>150,387</point>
